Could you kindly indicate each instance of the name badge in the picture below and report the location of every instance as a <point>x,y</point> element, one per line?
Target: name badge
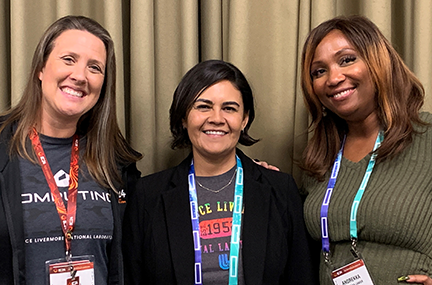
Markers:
<point>77,271</point>
<point>354,273</point>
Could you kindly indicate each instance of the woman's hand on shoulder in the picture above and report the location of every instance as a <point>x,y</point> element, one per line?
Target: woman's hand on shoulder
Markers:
<point>266,165</point>
<point>422,279</point>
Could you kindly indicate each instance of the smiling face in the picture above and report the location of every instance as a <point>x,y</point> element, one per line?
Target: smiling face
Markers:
<point>341,79</point>
<point>72,77</point>
<point>215,121</point>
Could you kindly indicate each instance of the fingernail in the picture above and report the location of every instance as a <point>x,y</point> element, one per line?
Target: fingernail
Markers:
<point>403,278</point>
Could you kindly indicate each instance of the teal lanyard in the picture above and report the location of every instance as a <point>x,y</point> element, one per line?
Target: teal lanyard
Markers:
<point>325,238</point>
<point>360,191</point>
<point>235,229</point>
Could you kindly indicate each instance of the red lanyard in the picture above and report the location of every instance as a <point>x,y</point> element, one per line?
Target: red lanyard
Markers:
<point>67,217</point>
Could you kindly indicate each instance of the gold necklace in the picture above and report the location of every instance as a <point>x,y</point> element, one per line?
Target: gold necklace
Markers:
<point>220,189</point>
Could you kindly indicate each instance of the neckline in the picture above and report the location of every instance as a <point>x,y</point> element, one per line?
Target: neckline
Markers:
<point>53,140</point>
<point>229,172</point>
<point>355,165</point>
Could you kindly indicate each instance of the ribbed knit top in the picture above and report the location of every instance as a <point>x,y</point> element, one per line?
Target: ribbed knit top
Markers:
<point>394,218</point>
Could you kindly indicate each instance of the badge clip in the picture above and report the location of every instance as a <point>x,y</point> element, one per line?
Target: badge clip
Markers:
<point>122,197</point>
<point>353,248</point>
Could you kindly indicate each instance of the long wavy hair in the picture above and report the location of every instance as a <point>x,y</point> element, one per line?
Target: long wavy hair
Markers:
<point>399,93</point>
<point>106,148</point>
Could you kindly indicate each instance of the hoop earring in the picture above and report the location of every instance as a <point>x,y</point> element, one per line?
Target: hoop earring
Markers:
<point>324,111</point>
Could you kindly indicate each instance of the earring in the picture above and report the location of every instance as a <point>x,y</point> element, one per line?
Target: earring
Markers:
<point>324,111</point>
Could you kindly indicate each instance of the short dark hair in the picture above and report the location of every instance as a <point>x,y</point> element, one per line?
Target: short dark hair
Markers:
<point>197,80</point>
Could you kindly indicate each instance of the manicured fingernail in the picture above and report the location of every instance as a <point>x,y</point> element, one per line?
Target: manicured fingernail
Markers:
<point>403,278</point>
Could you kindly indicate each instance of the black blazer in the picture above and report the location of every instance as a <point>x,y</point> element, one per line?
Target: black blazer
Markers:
<point>158,242</point>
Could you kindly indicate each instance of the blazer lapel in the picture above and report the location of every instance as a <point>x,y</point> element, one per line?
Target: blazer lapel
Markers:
<point>255,225</point>
<point>256,198</point>
<point>179,227</point>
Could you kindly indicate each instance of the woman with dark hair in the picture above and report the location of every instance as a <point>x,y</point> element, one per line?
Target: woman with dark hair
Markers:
<point>64,164</point>
<point>217,218</point>
<point>369,161</point>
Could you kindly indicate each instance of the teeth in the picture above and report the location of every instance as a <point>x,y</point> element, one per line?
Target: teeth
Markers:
<point>72,92</point>
<point>341,94</point>
<point>220,133</point>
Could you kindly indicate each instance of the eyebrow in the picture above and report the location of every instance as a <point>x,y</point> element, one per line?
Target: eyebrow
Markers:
<point>74,54</point>
<point>230,103</point>
<point>336,54</point>
<point>207,101</point>
<point>344,50</point>
<point>97,62</point>
<point>204,101</point>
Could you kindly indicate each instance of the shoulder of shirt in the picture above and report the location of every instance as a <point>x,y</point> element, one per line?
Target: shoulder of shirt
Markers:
<point>426,118</point>
<point>271,176</point>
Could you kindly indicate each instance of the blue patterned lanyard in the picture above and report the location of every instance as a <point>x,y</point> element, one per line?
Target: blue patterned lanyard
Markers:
<point>331,184</point>
<point>235,230</point>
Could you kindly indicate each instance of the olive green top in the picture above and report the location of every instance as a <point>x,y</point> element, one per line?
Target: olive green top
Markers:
<point>394,218</point>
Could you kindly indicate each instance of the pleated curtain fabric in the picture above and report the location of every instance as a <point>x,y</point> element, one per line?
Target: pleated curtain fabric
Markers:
<point>157,41</point>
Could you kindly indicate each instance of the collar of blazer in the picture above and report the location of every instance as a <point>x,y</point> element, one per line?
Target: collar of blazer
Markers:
<point>257,196</point>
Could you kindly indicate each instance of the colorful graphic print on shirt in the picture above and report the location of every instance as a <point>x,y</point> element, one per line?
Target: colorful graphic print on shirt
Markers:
<point>215,215</point>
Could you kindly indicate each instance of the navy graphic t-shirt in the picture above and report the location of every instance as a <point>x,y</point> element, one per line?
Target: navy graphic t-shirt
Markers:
<point>42,231</point>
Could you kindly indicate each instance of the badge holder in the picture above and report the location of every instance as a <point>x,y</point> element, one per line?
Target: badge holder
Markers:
<point>70,270</point>
<point>353,271</point>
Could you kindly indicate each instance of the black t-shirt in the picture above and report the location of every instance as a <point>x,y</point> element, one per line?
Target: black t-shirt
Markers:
<point>42,231</point>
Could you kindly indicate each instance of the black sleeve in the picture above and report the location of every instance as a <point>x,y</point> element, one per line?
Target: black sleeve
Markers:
<point>133,237</point>
<point>6,269</point>
<point>301,267</point>
<point>130,177</point>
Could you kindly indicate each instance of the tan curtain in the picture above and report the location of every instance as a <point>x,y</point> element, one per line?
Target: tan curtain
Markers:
<point>157,41</point>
